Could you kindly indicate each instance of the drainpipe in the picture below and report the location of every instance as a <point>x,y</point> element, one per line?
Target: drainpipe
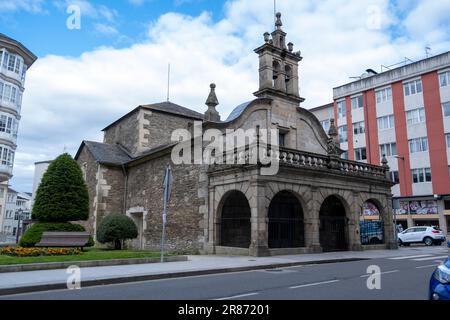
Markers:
<point>125,174</point>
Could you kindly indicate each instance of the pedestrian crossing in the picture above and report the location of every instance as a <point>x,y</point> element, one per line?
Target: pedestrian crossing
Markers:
<point>440,256</point>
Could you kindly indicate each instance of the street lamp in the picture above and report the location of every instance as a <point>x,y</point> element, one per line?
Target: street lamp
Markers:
<point>20,212</point>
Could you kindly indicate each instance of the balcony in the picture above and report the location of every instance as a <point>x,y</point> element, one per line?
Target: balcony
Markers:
<point>12,75</point>
<point>5,172</point>
<point>9,137</point>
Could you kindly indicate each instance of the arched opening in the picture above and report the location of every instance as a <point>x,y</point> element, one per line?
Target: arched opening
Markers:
<point>333,225</point>
<point>235,226</point>
<point>371,227</point>
<point>288,77</point>
<point>276,72</point>
<point>286,227</point>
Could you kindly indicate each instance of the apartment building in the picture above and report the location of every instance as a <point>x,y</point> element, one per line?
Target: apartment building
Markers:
<point>404,114</point>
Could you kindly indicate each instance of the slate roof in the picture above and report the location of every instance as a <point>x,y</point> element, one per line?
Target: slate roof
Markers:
<point>238,111</point>
<point>167,107</point>
<point>106,153</point>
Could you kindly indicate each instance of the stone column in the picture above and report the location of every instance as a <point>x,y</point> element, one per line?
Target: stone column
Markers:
<point>259,220</point>
<point>354,236</point>
<point>388,222</point>
<point>312,222</point>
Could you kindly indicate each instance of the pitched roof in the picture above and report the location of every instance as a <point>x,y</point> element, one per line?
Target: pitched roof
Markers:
<point>166,107</point>
<point>106,153</point>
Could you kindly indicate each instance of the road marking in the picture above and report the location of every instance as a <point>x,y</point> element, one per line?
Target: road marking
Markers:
<point>431,258</point>
<point>410,257</point>
<point>239,296</point>
<point>429,266</point>
<point>313,284</point>
<point>372,274</point>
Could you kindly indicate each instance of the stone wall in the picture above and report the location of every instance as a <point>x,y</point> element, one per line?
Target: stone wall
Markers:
<point>125,132</point>
<point>156,128</point>
<point>184,229</point>
<point>106,190</point>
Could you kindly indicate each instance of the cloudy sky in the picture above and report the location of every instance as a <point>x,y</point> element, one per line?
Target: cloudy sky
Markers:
<point>86,78</point>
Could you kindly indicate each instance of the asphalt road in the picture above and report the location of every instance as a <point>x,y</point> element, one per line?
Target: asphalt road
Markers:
<point>401,278</point>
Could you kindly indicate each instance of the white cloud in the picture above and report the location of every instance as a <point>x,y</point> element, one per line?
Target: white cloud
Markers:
<point>105,29</point>
<point>33,6</point>
<point>71,99</point>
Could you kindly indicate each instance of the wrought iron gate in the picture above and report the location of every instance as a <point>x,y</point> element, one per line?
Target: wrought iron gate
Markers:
<point>333,233</point>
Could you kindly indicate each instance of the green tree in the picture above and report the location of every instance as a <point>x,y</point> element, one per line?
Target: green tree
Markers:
<point>62,195</point>
<point>115,228</point>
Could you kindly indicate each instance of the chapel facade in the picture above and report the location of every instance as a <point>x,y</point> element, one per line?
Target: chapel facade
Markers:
<point>314,203</point>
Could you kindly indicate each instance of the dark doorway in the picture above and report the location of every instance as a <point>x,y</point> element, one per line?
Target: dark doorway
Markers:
<point>286,228</point>
<point>333,225</point>
<point>235,224</point>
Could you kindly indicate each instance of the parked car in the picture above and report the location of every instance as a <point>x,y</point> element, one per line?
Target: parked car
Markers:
<point>426,235</point>
<point>440,282</point>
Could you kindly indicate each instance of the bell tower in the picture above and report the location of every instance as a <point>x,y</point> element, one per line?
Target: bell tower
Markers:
<point>278,66</point>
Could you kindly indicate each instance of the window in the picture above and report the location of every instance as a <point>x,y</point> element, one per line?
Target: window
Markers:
<point>6,158</point>
<point>18,65</point>
<point>360,154</point>
<point>386,122</point>
<point>394,177</point>
<point>384,95</point>
<point>1,91</point>
<point>388,149</point>
<point>421,175</point>
<point>7,92</point>
<point>341,109</point>
<point>444,79</point>
<point>418,145</point>
<point>325,125</point>
<point>447,137</point>
<point>446,107</point>
<point>415,116</point>
<point>343,137</point>
<point>357,102</point>
<point>5,60</point>
<point>413,87</point>
<point>282,139</point>
<point>358,128</point>
<point>11,62</point>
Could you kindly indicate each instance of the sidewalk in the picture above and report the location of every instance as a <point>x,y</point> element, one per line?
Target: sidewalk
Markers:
<point>29,281</point>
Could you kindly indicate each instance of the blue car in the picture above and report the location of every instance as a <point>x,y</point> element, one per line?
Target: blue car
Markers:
<point>440,282</point>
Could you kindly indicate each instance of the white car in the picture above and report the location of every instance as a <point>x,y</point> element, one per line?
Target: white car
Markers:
<point>427,235</point>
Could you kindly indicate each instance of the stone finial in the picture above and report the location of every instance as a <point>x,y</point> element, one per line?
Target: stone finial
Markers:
<point>266,37</point>
<point>290,47</point>
<point>384,161</point>
<point>332,132</point>
<point>278,22</point>
<point>211,114</point>
<point>212,98</point>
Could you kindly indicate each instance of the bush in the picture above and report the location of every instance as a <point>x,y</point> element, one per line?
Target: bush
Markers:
<point>34,234</point>
<point>62,194</point>
<point>116,228</point>
<point>36,252</point>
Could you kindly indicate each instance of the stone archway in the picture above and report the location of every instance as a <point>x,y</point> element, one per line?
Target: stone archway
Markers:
<point>371,223</point>
<point>333,225</point>
<point>235,224</point>
<point>285,222</point>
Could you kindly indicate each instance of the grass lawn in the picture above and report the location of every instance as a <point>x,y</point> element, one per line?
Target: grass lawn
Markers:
<point>87,255</point>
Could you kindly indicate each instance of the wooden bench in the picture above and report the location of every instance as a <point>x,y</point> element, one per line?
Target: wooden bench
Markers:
<point>64,239</point>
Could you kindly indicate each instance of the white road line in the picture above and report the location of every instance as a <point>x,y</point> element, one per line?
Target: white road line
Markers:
<point>387,272</point>
<point>239,296</point>
<point>431,258</point>
<point>429,266</point>
<point>313,284</point>
<point>410,257</point>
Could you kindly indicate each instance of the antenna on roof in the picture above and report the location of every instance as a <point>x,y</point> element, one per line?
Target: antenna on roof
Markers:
<point>275,11</point>
<point>427,51</point>
<point>168,83</point>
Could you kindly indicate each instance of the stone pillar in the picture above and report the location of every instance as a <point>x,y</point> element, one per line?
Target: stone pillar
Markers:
<point>442,218</point>
<point>312,222</point>
<point>388,222</point>
<point>354,236</point>
<point>259,220</point>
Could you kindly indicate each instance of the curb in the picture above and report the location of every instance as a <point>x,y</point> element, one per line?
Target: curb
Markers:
<point>86,264</point>
<point>130,279</point>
